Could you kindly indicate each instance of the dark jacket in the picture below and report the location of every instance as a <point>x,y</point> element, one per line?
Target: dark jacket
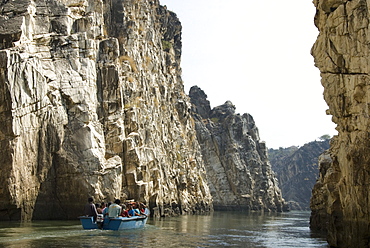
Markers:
<point>90,210</point>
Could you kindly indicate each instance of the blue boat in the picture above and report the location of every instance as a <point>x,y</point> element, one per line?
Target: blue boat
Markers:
<point>119,223</point>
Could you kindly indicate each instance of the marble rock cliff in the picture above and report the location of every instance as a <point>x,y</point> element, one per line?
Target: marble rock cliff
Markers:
<point>340,203</point>
<point>239,173</point>
<point>92,104</point>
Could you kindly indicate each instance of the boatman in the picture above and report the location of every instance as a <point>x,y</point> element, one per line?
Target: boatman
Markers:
<point>90,209</point>
<point>115,209</point>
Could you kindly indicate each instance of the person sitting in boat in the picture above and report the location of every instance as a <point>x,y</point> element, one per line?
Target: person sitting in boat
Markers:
<point>137,208</point>
<point>100,208</point>
<point>90,209</point>
<point>142,207</point>
<point>124,212</point>
<point>115,209</point>
<point>97,206</point>
<point>106,210</point>
<point>131,210</point>
<point>134,211</point>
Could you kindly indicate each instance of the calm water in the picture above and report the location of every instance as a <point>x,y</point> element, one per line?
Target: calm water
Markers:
<point>220,229</point>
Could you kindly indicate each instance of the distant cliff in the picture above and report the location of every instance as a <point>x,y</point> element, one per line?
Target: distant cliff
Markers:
<point>238,170</point>
<point>340,202</point>
<point>92,104</point>
<point>297,171</point>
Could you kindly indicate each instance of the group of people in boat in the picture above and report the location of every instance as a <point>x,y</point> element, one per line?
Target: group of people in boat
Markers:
<point>114,209</point>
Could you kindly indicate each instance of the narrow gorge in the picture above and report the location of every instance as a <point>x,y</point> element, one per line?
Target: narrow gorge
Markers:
<point>92,104</point>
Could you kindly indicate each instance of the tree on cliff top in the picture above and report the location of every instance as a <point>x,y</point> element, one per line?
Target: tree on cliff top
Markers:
<point>325,137</point>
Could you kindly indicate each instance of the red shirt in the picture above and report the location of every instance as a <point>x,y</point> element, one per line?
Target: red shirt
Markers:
<point>124,213</point>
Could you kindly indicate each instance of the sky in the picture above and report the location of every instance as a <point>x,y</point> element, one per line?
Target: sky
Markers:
<point>256,54</point>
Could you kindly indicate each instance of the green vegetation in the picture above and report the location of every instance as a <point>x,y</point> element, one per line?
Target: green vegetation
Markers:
<point>215,120</point>
<point>166,45</point>
<point>279,154</point>
<point>325,137</point>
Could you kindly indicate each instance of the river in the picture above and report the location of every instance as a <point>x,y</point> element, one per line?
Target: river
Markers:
<point>218,229</point>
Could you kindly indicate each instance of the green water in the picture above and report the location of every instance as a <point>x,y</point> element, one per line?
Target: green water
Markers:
<point>220,229</point>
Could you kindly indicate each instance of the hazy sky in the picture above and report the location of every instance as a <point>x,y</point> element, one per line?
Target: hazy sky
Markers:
<point>257,55</point>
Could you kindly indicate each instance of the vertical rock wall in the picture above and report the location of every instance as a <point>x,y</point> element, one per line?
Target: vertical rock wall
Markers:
<point>92,103</point>
<point>297,171</point>
<point>340,202</point>
<point>239,173</point>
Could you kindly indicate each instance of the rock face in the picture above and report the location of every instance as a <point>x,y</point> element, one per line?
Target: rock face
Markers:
<point>297,171</point>
<point>340,202</point>
<point>238,170</point>
<point>92,104</point>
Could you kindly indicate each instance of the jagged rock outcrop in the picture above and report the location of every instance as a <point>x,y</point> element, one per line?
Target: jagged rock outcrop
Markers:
<point>340,202</point>
<point>297,171</point>
<point>92,104</point>
<point>238,170</point>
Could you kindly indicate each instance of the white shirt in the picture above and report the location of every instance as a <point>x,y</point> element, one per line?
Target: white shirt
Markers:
<point>114,210</point>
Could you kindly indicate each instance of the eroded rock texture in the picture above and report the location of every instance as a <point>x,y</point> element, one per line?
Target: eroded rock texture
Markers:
<point>92,103</point>
<point>297,171</point>
<point>340,202</point>
<point>238,170</point>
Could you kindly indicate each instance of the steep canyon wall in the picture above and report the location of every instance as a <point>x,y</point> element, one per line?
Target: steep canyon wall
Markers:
<point>340,202</point>
<point>239,172</point>
<point>92,103</point>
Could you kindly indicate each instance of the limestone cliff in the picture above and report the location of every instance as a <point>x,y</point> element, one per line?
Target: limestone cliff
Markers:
<point>92,103</point>
<point>238,170</point>
<point>340,202</point>
<point>297,171</point>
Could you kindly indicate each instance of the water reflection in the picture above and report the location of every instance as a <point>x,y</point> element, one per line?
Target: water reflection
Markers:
<point>220,229</point>
<point>245,229</point>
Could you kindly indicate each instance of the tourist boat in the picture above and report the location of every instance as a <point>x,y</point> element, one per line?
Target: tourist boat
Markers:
<point>119,223</point>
